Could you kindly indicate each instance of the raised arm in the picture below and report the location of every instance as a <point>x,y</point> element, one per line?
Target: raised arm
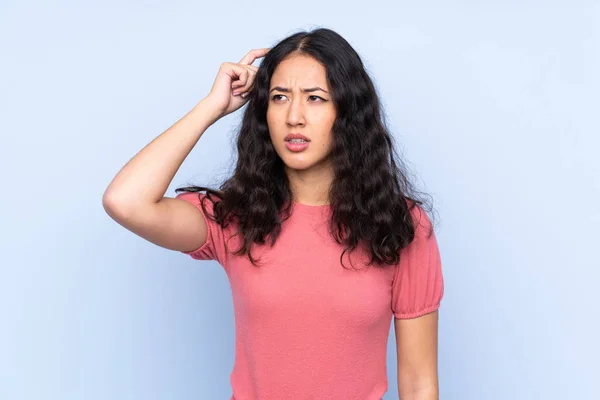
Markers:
<point>135,197</point>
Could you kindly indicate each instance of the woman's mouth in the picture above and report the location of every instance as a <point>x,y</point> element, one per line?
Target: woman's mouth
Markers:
<point>296,145</point>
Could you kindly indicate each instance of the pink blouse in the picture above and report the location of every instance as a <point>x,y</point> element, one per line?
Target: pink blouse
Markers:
<point>306,328</point>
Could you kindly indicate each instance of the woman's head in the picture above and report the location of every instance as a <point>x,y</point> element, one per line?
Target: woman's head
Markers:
<point>306,60</point>
<point>300,103</point>
<point>341,116</point>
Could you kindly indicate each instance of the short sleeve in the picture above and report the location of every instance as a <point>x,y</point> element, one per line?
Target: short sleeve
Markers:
<point>215,246</point>
<point>418,285</point>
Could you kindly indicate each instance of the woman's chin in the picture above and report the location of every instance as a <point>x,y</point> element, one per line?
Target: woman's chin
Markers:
<point>298,166</point>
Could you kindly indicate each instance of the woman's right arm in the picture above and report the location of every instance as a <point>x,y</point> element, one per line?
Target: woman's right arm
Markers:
<point>135,197</point>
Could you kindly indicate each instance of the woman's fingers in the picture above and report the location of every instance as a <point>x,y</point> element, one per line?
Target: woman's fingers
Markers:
<point>241,79</point>
<point>251,73</point>
<point>236,78</point>
<point>246,81</point>
<point>253,55</point>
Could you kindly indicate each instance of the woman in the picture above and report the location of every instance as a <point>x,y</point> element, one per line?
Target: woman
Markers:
<point>318,229</point>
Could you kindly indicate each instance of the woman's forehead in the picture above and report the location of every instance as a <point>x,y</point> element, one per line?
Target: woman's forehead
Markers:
<point>299,71</point>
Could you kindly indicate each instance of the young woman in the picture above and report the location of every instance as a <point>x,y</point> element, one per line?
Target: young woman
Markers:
<point>319,230</point>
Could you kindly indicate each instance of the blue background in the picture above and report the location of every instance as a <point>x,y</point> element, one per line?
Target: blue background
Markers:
<point>495,105</point>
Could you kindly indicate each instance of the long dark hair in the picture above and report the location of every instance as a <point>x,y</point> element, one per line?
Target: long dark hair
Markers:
<point>371,195</point>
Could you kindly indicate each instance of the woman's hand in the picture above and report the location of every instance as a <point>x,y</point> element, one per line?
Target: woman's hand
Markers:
<point>234,82</point>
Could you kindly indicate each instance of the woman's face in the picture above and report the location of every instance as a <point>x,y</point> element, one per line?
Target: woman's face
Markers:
<point>300,102</point>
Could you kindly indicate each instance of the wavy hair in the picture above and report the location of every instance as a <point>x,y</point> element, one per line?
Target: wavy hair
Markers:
<point>371,195</point>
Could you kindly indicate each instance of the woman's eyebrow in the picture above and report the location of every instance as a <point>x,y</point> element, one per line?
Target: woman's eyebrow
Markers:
<point>308,90</point>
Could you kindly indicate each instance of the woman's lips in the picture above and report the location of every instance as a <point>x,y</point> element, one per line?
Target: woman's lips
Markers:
<point>296,146</point>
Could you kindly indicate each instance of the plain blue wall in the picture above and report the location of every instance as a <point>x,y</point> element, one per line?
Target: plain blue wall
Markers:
<point>495,105</point>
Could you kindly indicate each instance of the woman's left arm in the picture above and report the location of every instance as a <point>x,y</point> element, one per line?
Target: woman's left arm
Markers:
<point>417,353</point>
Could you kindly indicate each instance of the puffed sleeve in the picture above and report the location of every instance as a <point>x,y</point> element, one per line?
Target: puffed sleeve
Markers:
<point>418,285</point>
<point>215,246</point>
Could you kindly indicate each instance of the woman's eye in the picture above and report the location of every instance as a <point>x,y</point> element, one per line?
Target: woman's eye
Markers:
<point>311,98</point>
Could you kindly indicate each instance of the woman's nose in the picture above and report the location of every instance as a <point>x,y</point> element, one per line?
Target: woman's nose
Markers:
<point>295,114</point>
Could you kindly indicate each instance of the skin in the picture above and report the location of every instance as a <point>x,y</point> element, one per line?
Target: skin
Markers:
<point>417,354</point>
<point>312,114</point>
